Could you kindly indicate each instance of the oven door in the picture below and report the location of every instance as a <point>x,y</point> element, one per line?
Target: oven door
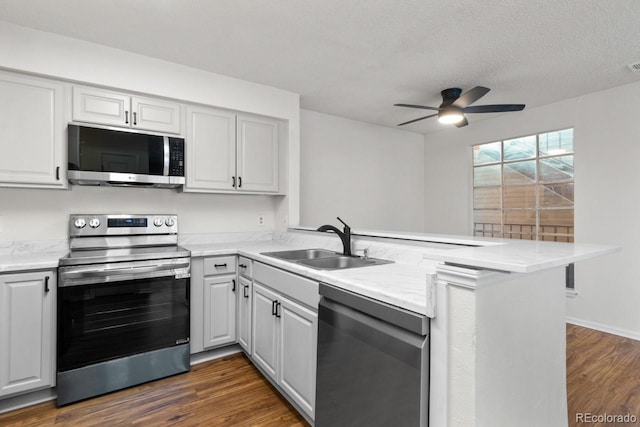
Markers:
<point>110,311</point>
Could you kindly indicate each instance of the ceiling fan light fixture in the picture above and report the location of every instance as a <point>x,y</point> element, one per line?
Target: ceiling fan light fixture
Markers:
<point>450,117</point>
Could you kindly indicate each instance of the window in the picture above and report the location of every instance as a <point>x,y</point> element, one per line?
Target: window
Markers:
<point>523,187</point>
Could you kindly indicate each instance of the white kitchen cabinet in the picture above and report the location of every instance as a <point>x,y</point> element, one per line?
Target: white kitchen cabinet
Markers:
<point>284,343</point>
<point>27,331</point>
<point>265,333</point>
<point>230,153</point>
<point>211,149</point>
<point>119,109</point>
<point>156,115</point>
<point>298,348</point>
<point>257,154</point>
<point>32,132</point>
<point>245,300</point>
<point>219,311</point>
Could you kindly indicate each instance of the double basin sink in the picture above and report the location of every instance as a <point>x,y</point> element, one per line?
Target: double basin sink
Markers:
<point>322,259</point>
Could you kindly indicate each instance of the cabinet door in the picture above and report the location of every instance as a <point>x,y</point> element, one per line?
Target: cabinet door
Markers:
<point>156,115</point>
<point>27,331</point>
<point>265,330</point>
<point>32,132</point>
<point>219,311</point>
<point>257,154</point>
<point>211,149</point>
<point>244,314</point>
<point>101,106</point>
<point>299,331</point>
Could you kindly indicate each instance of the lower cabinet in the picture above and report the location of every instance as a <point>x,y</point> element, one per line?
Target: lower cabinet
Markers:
<point>244,295</point>
<point>219,311</point>
<point>27,331</point>
<point>284,344</point>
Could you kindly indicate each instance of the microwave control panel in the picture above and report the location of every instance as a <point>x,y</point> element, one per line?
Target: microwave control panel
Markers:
<point>176,157</point>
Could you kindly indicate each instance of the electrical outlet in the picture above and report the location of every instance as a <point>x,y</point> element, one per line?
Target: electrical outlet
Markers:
<point>261,220</point>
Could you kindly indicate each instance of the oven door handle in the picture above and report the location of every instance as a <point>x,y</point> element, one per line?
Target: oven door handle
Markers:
<point>72,278</point>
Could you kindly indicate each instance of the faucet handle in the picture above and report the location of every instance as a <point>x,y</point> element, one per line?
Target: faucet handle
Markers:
<point>344,223</point>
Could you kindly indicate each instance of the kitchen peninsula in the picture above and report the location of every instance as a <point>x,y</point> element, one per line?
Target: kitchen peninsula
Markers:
<point>496,309</point>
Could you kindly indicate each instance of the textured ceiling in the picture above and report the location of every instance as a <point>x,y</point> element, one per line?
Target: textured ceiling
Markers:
<point>355,58</point>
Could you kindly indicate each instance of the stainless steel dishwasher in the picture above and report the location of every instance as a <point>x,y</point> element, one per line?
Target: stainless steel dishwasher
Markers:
<point>373,362</point>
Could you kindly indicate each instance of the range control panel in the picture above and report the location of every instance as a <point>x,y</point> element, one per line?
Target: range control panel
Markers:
<point>122,225</point>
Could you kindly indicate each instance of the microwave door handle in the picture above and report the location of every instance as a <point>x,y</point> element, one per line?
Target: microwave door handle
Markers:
<point>165,170</point>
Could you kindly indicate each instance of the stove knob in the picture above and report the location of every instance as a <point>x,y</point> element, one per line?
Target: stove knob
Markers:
<point>80,223</point>
<point>94,223</point>
<point>170,222</point>
<point>158,222</point>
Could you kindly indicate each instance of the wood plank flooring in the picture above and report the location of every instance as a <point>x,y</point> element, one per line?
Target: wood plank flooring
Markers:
<point>603,376</point>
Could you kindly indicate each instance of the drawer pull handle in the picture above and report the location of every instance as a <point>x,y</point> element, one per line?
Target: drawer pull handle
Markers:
<point>278,304</point>
<point>126,117</point>
<point>46,283</point>
<point>233,288</point>
<point>274,307</point>
<point>135,118</point>
<point>245,291</point>
<point>233,184</point>
<point>220,265</point>
<point>242,265</point>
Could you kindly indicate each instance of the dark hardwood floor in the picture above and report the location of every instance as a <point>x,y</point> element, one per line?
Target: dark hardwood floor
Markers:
<point>603,377</point>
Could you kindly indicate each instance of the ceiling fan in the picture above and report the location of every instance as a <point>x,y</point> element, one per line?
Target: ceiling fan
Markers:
<point>455,105</point>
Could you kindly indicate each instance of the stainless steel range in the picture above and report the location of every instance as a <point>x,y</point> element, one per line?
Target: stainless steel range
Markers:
<point>123,304</point>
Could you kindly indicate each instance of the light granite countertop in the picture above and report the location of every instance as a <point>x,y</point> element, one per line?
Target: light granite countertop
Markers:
<point>405,283</point>
<point>511,255</point>
<point>402,285</point>
<point>26,262</point>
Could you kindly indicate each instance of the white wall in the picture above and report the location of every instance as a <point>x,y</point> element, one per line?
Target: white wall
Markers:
<point>34,214</point>
<point>607,150</point>
<point>31,51</point>
<point>371,176</point>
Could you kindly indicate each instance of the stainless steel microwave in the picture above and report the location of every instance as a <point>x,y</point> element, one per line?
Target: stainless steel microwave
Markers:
<point>105,156</point>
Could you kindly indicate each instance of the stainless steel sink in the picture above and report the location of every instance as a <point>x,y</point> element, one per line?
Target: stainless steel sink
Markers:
<point>322,259</point>
<point>301,254</point>
<point>340,262</point>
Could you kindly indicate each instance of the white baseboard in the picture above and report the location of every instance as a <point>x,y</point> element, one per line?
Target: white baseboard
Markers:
<point>604,328</point>
<point>217,353</point>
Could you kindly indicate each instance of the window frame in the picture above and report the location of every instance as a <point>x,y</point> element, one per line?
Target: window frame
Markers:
<point>538,184</point>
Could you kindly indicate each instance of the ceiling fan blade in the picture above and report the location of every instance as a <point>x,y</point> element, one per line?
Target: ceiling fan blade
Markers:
<point>424,107</point>
<point>417,120</point>
<point>470,96</point>
<point>462,123</point>
<point>499,108</point>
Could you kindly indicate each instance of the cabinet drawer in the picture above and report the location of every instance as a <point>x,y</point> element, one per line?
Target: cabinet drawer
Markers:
<point>219,265</point>
<point>245,267</point>
<point>288,284</point>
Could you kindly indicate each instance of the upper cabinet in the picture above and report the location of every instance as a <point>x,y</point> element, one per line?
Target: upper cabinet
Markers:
<point>210,149</point>
<point>257,154</point>
<point>117,109</point>
<point>32,132</point>
<point>228,152</point>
